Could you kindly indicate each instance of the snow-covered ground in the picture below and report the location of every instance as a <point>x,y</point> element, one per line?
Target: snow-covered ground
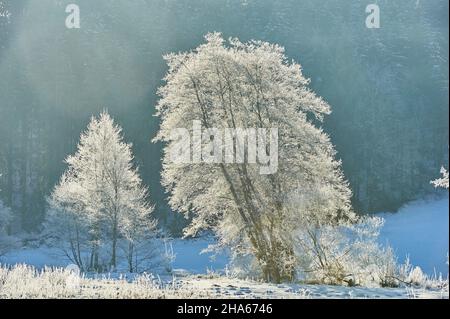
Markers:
<point>237,288</point>
<point>189,256</point>
<point>38,257</point>
<point>26,282</point>
<point>420,230</point>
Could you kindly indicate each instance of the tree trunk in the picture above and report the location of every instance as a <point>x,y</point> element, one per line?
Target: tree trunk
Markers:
<point>130,257</point>
<point>94,263</point>
<point>275,272</point>
<point>114,246</point>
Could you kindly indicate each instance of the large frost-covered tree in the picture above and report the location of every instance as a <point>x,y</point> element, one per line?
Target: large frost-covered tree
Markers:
<point>102,193</point>
<point>240,86</point>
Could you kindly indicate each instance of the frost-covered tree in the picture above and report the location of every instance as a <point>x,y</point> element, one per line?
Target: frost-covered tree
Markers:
<point>102,192</point>
<point>443,181</point>
<point>250,85</point>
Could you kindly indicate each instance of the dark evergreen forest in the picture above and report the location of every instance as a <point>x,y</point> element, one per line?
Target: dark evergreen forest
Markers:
<point>388,87</point>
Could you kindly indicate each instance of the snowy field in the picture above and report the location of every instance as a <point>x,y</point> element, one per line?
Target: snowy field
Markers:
<point>26,282</point>
<point>419,229</point>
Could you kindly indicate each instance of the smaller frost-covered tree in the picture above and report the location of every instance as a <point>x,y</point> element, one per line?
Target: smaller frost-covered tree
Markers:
<point>101,197</point>
<point>443,181</point>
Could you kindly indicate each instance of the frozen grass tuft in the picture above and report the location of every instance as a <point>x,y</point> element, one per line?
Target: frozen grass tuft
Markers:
<point>23,281</point>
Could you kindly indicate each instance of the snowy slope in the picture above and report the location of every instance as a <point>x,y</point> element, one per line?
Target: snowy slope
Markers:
<point>421,230</point>
<point>189,256</point>
<point>38,257</point>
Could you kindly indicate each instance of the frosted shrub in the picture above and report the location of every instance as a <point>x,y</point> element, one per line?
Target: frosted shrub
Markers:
<point>386,271</point>
<point>416,276</point>
<point>350,255</point>
<point>26,282</point>
<point>346,255</point>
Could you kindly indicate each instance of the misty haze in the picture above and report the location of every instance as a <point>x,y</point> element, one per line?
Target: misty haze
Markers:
<point>351,192</point>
